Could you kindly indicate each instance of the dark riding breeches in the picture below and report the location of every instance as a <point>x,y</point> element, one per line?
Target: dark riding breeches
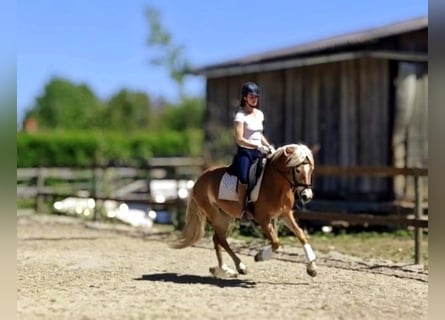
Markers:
<point>244,159</point>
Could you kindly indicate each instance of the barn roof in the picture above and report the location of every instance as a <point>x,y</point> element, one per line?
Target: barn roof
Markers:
<point>310,53</point>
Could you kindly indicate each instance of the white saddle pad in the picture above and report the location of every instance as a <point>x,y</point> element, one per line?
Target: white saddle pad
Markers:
<point>227,188</point>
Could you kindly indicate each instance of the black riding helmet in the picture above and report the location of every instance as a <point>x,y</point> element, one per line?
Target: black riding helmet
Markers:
<point>248,87</point>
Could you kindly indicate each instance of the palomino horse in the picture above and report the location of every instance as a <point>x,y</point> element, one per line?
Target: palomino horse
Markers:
<point>288,171</point>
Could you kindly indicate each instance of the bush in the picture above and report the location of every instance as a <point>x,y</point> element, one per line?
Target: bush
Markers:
<point>80,148</point>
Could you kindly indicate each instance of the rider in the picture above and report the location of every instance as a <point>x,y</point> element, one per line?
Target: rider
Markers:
<point>251,142</point>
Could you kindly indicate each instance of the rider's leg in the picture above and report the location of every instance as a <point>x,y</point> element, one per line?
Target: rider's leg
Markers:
<point>244,197</point>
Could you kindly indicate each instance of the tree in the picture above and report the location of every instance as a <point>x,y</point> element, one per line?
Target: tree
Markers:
<point>128,111</point>
<point>170,55</point>
<point>188,114</point>
<point>66,105</point>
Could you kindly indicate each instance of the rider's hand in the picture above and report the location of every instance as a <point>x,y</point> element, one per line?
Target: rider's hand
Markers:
<point>263,149</point>
<point>272,149</point>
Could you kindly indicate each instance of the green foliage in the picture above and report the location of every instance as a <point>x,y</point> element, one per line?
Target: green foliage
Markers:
<point>195,141</point>
<point>158,35</point>
<point>169,54</point>
<point>47,149</point>
<point>127,111</point>
<point>364,235</point>
<point>80,148</point>
<point>26,203</point>
<point>188,114</point>
<point>64,104</point>
<point>220,148</point>
<point>75,128</point>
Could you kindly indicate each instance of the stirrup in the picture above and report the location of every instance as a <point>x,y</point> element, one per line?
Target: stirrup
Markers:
<point>248,212</point>
<point>246,219</point>
<point>249,208</point>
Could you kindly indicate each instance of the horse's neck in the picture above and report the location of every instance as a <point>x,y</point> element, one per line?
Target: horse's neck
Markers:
<point>273,176</point>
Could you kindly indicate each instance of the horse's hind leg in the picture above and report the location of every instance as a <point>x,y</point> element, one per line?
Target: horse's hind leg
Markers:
<point>240,267</point>
<point>220,225</point>
<point>289,220</point>
<point>222,270</point>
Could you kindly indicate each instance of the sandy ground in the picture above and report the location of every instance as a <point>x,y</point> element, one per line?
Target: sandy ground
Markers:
<point>67,269</point>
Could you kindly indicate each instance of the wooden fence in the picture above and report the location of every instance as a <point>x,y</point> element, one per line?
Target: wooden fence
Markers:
<point>417,219</point>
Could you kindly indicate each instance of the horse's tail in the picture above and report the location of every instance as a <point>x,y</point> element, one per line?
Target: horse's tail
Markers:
<point>194,226</point>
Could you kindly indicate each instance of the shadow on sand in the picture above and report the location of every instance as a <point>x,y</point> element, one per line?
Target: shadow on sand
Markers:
<point>194,279</point>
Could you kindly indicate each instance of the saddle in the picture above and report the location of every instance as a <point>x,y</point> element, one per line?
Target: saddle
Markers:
<point>255,170</point>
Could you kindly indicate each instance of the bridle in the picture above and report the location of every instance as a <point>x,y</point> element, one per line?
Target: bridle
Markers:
<point>294,184</point>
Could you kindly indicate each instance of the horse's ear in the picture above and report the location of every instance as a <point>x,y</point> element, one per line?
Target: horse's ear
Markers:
<point>315,148</point>
<point>289,150</point>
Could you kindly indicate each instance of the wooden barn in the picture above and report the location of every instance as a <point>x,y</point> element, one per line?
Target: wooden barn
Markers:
<point>363,97</point>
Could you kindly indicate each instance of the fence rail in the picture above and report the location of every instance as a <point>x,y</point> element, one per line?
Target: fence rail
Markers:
<point>363,219</point>
<point>419,222</point>
<point>417,219</point>
<point>325,170</point>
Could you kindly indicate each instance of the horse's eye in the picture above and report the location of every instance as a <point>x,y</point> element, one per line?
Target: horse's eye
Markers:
<point>298,170</point>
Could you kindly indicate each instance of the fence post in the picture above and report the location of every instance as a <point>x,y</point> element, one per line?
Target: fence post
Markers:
<point>418,214</point>
<point>40,189</point>
<point>94,191</point>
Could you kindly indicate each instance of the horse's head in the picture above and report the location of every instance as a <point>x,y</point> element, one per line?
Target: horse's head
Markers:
<point>296,163</point>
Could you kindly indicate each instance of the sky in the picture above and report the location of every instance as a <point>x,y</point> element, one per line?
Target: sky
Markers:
<point>104,43</point>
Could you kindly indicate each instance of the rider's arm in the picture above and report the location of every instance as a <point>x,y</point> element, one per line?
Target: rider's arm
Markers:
<point>265,142</point>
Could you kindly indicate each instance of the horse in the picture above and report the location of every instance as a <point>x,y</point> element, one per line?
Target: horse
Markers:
<point>287,172</point>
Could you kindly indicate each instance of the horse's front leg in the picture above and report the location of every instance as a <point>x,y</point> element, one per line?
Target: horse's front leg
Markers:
<point>267,252</point>
<point>290,222</point>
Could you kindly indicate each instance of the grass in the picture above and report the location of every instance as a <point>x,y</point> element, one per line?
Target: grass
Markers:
<point>26,203</point>
<point>396,246</point>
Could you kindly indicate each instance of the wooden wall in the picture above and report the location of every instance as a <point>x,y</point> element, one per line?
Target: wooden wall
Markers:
<point>345,107</point>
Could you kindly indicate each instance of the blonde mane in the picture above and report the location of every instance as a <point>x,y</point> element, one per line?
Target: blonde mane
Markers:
<point>298,156</point>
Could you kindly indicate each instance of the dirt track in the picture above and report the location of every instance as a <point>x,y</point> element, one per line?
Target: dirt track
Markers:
<point>70,270</point>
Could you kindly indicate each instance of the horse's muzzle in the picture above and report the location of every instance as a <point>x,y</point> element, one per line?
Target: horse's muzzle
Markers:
<point>306,195</point>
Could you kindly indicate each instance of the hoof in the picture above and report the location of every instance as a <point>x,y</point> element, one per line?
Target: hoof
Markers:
<point>218,272</point>
<point>242,269</point>
<point>311,269</point>
<point>264,254</point>
<point>312,272</point>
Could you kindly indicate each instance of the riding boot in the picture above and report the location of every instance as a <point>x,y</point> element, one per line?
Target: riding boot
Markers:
<point>247,205</point>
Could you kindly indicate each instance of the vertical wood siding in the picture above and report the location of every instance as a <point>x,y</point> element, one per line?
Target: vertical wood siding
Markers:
<point>344,107</point>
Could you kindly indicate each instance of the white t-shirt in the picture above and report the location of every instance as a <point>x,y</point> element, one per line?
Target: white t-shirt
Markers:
<point>253,125</point>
